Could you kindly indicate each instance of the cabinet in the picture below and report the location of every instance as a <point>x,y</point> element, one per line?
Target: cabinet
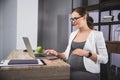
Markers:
<point>100,7</point>
<point>112,44</point>
<point>106,5</point>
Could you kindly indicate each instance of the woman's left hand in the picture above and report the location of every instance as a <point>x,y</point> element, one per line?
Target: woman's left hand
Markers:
<point>80,52</point>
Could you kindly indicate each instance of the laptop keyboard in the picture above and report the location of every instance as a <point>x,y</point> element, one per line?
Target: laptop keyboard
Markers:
<point>42,55</point>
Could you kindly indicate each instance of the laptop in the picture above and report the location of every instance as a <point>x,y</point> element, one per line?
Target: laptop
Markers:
<point>28,47</point>
<point>31,53</point>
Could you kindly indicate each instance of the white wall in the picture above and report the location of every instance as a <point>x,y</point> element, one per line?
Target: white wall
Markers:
<point>17,18</point>
<point>8,27</point>
<point>1,30</point>
<point>27,22</point>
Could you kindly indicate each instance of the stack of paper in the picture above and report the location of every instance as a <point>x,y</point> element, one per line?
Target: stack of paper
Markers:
<point>21,62</point>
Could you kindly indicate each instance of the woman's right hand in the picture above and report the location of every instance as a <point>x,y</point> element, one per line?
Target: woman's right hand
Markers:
<point>52,52</point>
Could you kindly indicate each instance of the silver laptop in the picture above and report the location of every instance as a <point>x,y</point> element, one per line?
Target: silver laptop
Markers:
<point>28,46</point>
<point>31,53</point>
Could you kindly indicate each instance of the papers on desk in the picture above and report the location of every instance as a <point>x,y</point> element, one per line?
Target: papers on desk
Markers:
<point>6,63</point>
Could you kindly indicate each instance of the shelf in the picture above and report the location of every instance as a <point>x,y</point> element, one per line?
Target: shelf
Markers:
<point>107,23</point>
<point>108,5</point>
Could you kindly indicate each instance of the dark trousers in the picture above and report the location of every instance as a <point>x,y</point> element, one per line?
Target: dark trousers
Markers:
<point>79,75</point>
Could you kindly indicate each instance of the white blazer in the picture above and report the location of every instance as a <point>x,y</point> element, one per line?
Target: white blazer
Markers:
<point>95,43</point>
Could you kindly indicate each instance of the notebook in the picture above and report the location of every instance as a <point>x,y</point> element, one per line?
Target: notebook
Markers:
<point>23,61</point>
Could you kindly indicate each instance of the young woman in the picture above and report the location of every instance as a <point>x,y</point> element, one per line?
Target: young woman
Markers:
<point>86,49</point>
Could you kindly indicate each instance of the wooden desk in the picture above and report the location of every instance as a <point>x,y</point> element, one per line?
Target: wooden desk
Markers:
<point>54,70</point>
<point>113,46</point>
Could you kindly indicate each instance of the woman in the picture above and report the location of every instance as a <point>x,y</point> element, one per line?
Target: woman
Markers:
<point>86,49</point>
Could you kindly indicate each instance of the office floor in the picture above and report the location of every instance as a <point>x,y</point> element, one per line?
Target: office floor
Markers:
<point>115,73</point>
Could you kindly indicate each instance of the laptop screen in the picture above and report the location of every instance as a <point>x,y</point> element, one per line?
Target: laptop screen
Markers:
<point>28,46</point>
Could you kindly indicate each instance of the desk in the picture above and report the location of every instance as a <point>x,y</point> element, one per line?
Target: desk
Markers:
<point>54,70</point>
<point>113,46</point>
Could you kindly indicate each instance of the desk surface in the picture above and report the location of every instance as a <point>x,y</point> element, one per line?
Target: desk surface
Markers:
<point>54,70</point>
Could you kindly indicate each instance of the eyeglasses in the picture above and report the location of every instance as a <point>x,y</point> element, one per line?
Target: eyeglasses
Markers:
<point>75,19</point>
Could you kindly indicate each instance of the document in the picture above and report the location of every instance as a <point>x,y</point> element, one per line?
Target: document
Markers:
<point>5,63</point>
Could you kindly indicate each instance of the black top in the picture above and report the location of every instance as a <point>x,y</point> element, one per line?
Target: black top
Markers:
<point>75,61</point>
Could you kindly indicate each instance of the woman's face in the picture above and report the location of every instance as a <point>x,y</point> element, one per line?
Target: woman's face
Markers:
<point>77,20</point>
